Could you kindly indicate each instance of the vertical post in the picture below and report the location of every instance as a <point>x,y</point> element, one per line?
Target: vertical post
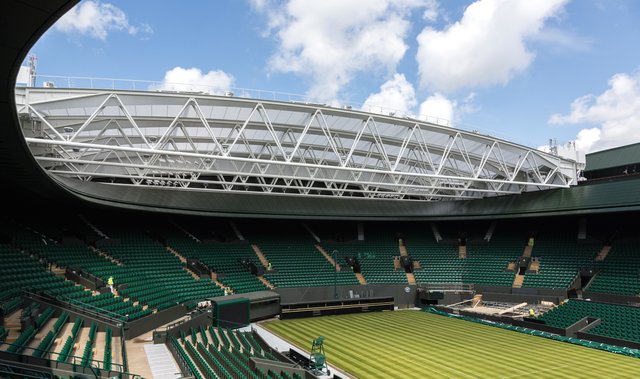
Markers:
<point>123,349</point>
<point>334,256</point>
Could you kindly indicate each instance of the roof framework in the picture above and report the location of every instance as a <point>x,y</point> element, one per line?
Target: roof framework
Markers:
<point>216,143</point>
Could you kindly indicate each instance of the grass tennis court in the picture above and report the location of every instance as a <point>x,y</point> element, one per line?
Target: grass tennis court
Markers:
<point>414,344</point>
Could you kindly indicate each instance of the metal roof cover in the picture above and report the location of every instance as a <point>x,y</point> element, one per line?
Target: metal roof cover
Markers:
<point>196,142</point>
<point>618,156</point>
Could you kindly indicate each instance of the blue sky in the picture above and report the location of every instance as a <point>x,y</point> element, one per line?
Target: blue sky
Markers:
<point>518,69</point>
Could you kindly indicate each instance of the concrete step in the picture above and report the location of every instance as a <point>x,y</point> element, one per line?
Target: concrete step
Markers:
<point>263,259</point>
<point>177,254</point>
<point>161,362</point>
<point>462,251</point>
<point>266,282</point>
<point>517,281</point>
<point>328,257</point>
<point>602,254</point>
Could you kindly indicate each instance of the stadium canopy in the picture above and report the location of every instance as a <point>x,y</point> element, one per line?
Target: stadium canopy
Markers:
<point>188,141</point>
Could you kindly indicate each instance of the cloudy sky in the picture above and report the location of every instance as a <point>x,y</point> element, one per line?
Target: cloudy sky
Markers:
<point>522,70</point>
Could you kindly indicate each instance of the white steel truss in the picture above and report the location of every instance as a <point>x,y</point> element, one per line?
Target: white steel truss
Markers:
<point>217,143</point>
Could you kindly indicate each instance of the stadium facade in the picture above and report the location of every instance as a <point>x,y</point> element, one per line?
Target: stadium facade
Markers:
<point>375,212</point>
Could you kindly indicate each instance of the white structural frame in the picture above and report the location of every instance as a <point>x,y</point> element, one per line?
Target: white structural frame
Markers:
<point>218,143</point>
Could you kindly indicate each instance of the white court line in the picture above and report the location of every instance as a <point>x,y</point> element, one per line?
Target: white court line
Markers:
<point>283,345</point>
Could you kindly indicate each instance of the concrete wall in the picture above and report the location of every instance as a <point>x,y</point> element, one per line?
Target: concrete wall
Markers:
<point>607,340</point>
<point>264,310</point>
<point>404,294</point>
<point>583,325</point>
<point>608,298</point>
<point>204,319</point>
<point>147,323</point>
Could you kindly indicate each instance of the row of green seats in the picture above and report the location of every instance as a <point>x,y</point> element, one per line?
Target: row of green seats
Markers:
<point>65,352</point>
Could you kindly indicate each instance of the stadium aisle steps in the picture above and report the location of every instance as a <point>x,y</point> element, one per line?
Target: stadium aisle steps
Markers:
<point>299,264</point>
<point>266,282</point>
<point>260,255</point>
<point>116,350</point>
<point>99,344</point>
<point>327,257</point>
<point>185,231</point>
<point>47,333</point>
<point>518,280</point>
<point>12,326</point>
<point>376,255</point>
<point>88,352</point>
<point>182,353</point>
<point>224,353</point>
<point>619,271</point>
<point>106,255</point>
<point>462,251</point>
<point>560,256</point>
<point>219,284</point>
<point>223,259</point>
<point>177,254</point>
<point>161,362</point>
<point>618,321</point>
<point>236,230</point>
<point>602,254</point>
<point>58,344</point>
<point>403,249</point>
<point>92,226</point>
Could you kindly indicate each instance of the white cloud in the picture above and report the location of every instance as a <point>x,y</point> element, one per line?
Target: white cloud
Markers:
<point>563,40</point>
<point>259,5</point>
<point>194,80</point>
<point>331,41</point>
<point>438,109</point>
<point>396,96</point>
<point>586,139</point>
<point>616,112</point>
<point>431,11</point>
<point>485,47</point>
<point>97,19</point>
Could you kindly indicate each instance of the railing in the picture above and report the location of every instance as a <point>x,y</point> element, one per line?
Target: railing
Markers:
<point>447,287</point>
<point>57,81</point>
<point>123,349</point>
<point>80,82</point>
<point>34,372</point>
<point>80,307</point>
<point>89,311</point>
<point>72,363</point>
<point>180,360</point>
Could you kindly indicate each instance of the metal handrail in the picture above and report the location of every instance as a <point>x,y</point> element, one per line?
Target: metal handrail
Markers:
<point>80,307</point>
<point>86,82</point>
<point>71,359</point>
